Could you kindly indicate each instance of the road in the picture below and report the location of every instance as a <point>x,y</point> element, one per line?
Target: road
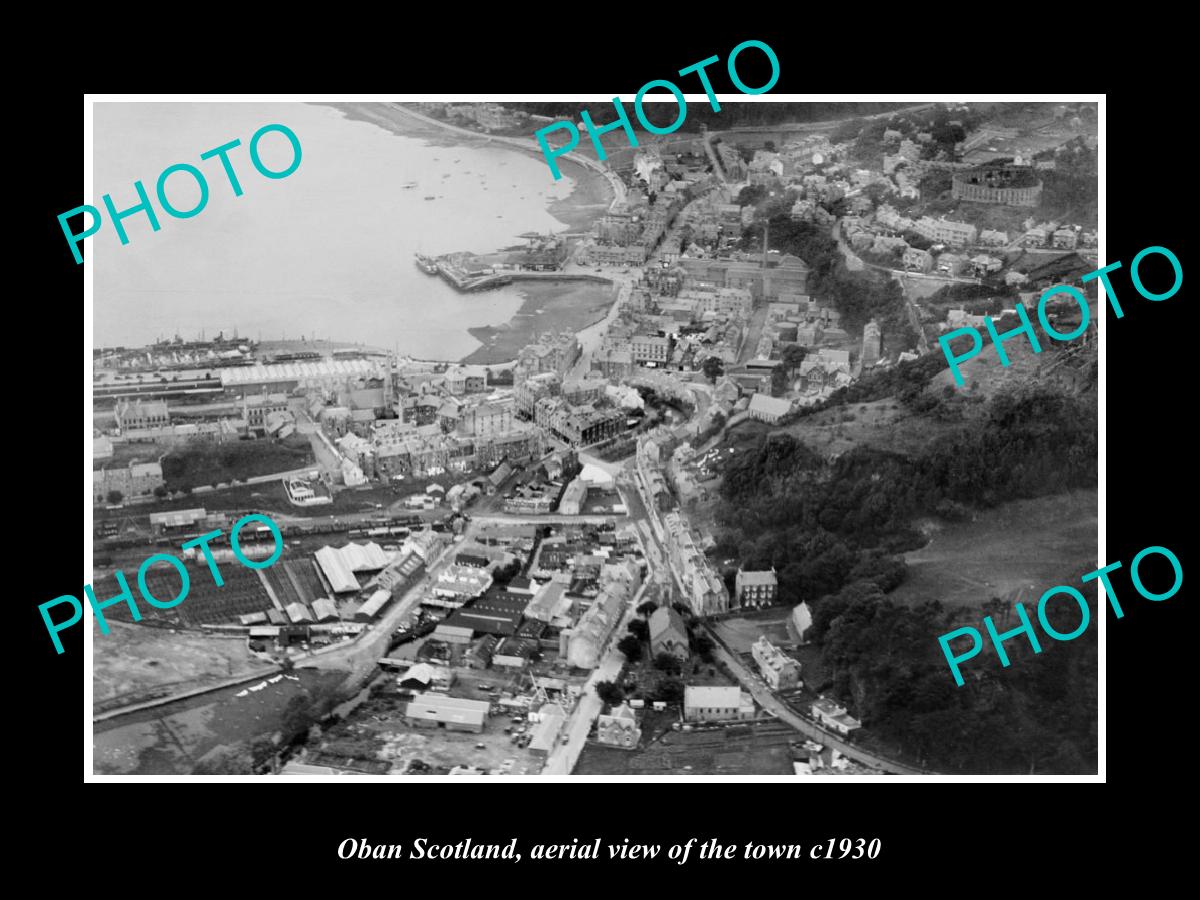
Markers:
<point>855,264</point>
<point>769,701</point>
<point>564,756</point>
<point>717,168</point>
<point>527,144</point>
<point>363,654</point>
<point>591,337</point>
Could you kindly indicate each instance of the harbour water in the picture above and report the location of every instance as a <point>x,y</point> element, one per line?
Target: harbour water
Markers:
<point>327,251</point>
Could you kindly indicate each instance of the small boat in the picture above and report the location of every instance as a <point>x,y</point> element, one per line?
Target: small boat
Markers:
<point>275,680</point>
<point>259,687</point>
<point>292,677</point>
<point>431,197</point>
<point>242,694</point>
<point>411,184</point>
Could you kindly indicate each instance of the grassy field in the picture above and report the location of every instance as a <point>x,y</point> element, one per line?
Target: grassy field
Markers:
<point>885,424</point>
<point>169,739</point>
<point>194,464</point>
<point>742,631</point>
<point>1023,547</point>
<point>134,663</point>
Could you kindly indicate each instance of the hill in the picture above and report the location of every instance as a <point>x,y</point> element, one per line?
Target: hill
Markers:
<point>843,501</point>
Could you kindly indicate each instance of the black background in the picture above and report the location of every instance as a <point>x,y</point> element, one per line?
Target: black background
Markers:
<point>216,834</point>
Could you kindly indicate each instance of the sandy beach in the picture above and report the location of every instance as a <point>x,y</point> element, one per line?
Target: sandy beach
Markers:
<point>550,306</point>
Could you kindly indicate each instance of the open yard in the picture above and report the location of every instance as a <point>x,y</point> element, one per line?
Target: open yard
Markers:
<point>885,424</point>
<point>1015,551</point>
<point>133,663</point>
<point>760,750</point>
<point>200,463</point>
<point>170,739</point>
<point>379,727</point>
<point>741,631</point>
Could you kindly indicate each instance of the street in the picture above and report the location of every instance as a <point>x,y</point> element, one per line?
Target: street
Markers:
<point>770,702</point>
<point>564,756</point>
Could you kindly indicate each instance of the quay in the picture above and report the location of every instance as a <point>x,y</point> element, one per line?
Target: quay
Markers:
<point>470,281</point>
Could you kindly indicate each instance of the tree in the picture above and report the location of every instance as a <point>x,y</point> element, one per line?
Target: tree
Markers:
<point>236,759</point>
<point>793,355</point>
<point>751,194</point>
<point>160,492</point>
<point>631,647</point>
<point>779,382</point>
<point>705,646</point>
<point>114,497</point>
<point>713,368</point>
<point>670,690</point>
<point>667,662</point>
<point>640,630</point>
<point>507,573</point>
<point>296,718</point>
<point>646,610</point>
<point>610,693</point>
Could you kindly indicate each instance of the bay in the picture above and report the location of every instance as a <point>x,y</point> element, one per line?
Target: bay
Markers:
<point>326,252</point>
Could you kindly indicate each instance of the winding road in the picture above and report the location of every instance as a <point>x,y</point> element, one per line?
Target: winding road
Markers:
<point>785,713</point>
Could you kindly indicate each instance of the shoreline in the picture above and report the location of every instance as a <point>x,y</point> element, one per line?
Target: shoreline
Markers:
<point>590,194</point>
<point>547,306</point>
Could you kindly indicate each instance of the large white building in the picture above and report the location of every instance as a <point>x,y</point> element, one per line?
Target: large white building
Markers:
<point>709,703</point>
<point>779,671</point>
<point>833,716</point>
<point>451,713</point>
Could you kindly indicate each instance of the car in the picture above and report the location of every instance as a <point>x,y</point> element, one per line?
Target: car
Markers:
<point>481,746</point>
<point>508,729</point>
<point>486,687</point>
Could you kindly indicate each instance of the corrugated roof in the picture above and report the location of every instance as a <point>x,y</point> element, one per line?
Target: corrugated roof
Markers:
<point>329,368</point>
<point>298,612</point>
<point>324,609</point>
<point>776,406</point>
<point>375,603</point>
<point>333,565</point>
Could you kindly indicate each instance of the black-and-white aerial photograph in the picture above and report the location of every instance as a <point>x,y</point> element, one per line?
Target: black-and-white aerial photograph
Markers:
<point>748,449</point>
